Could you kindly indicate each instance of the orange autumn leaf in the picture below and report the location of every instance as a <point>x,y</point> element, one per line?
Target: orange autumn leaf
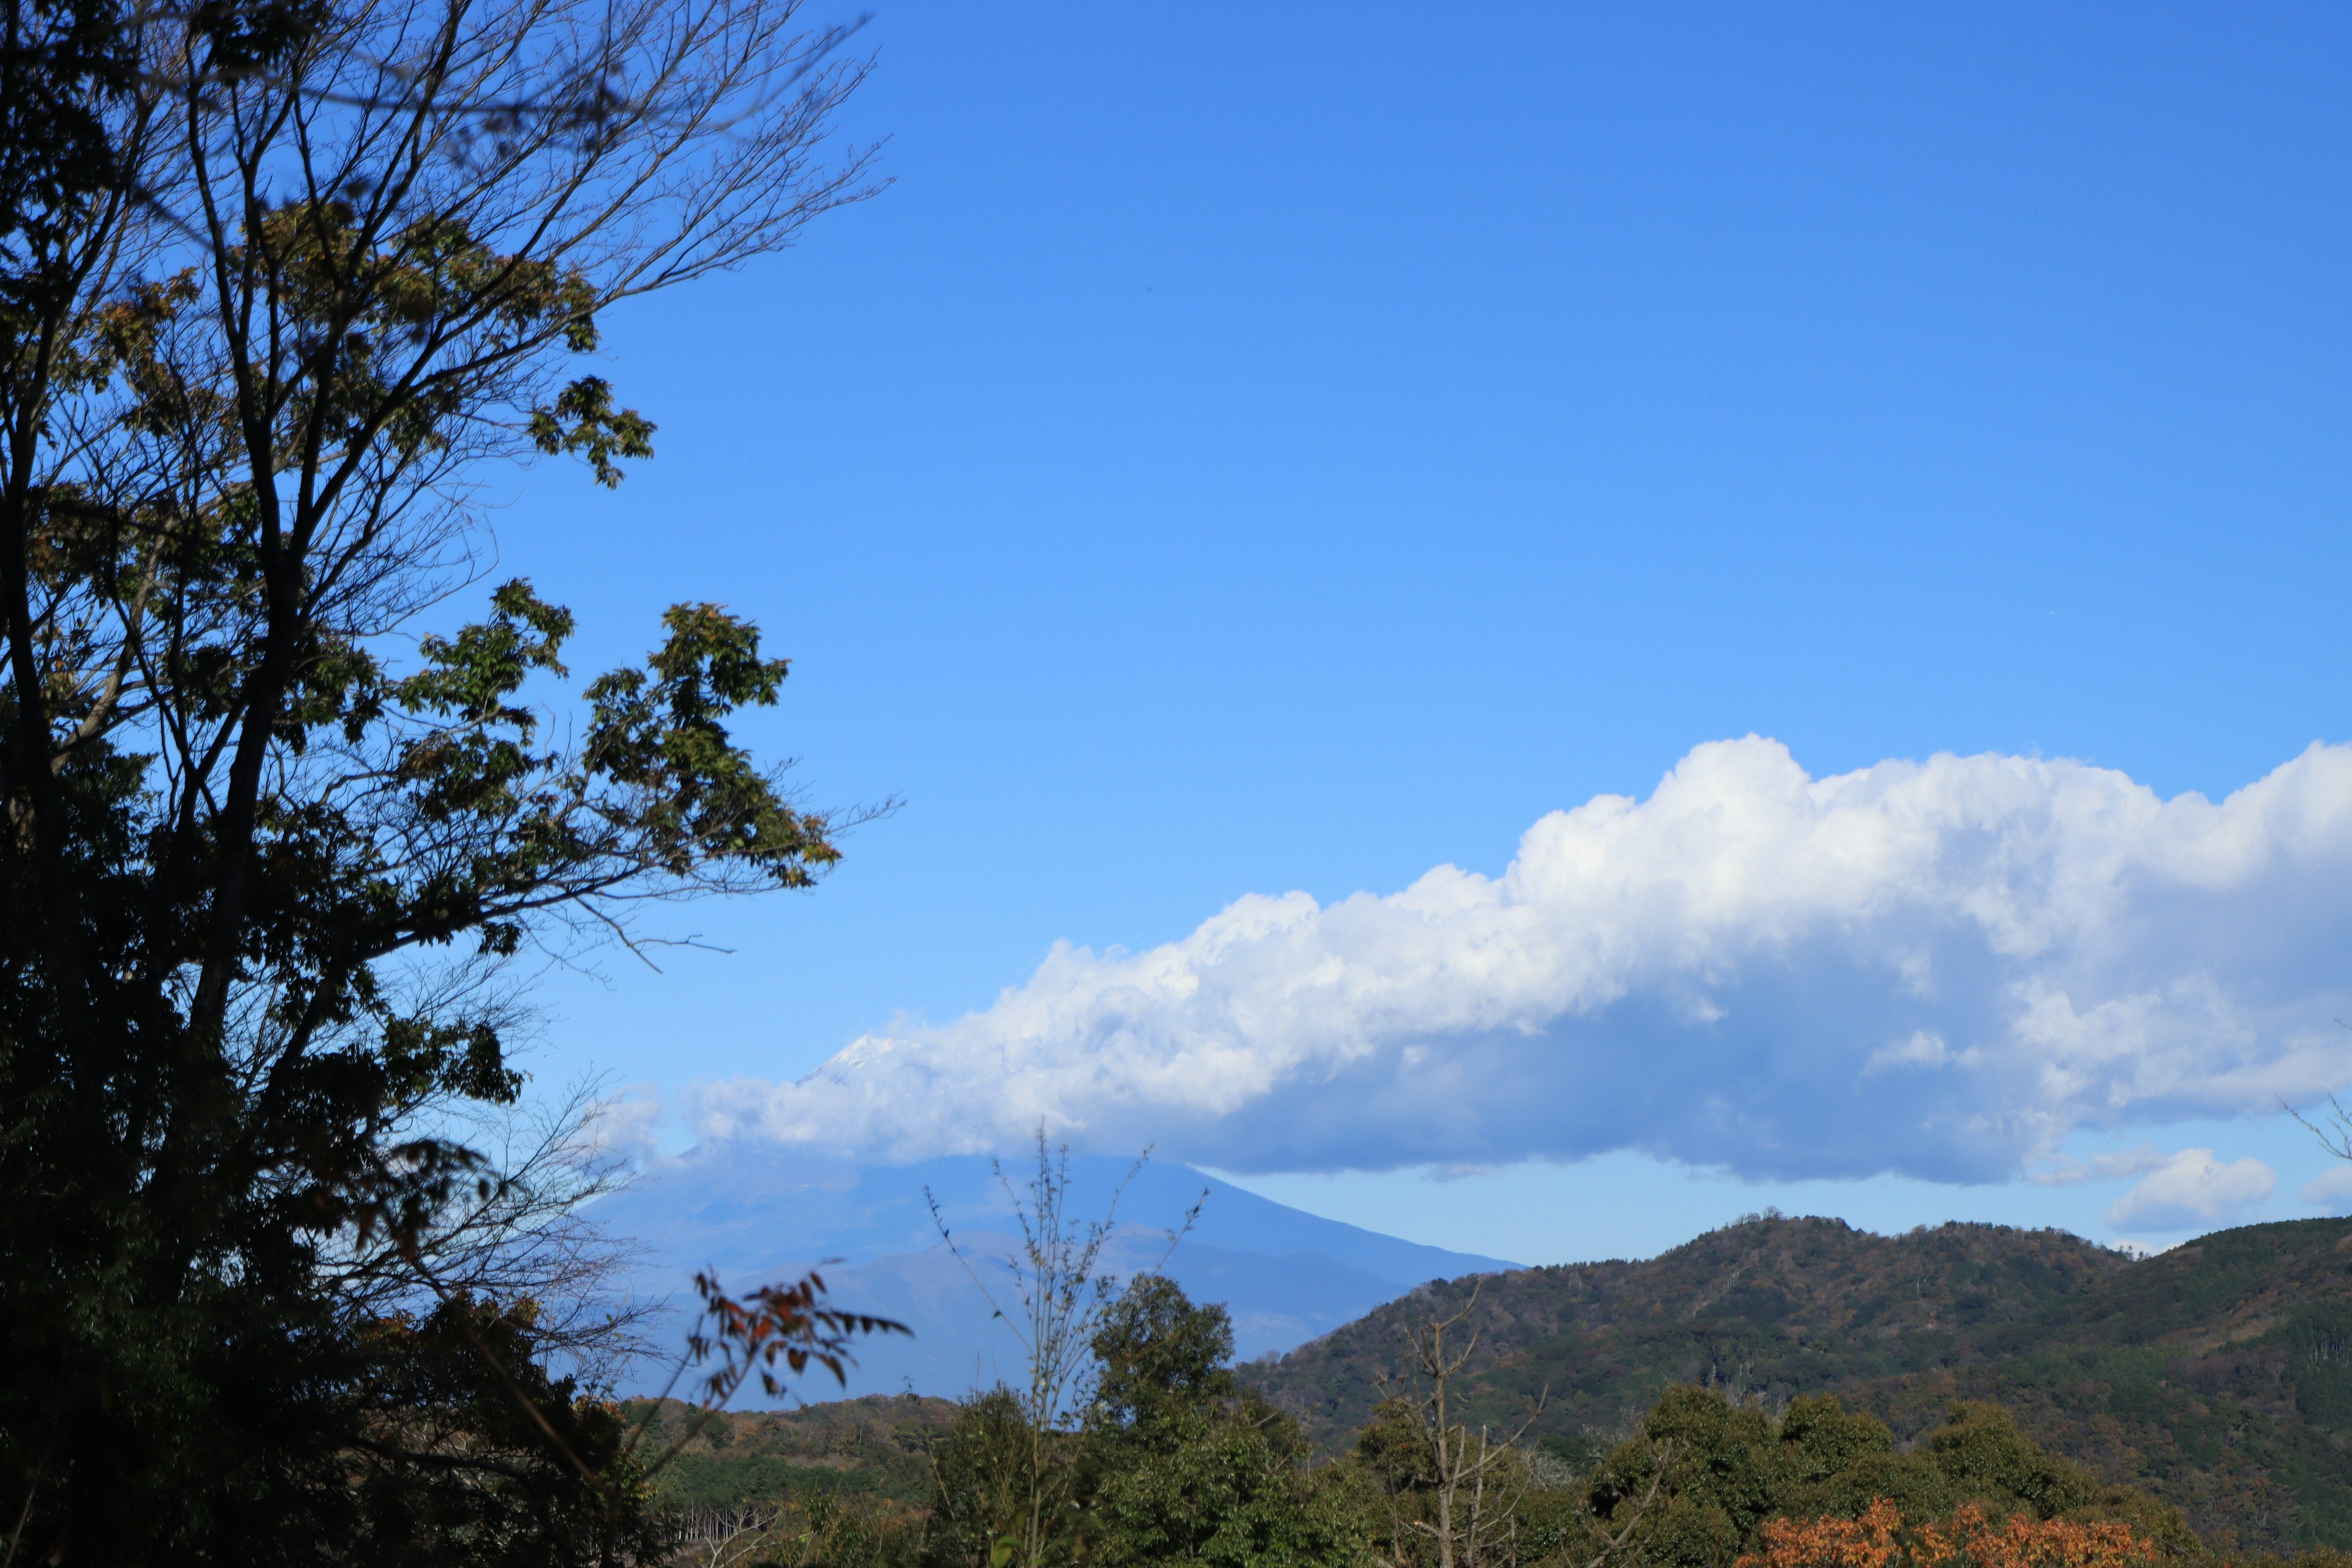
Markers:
<point>1869,1541</point>
<point>1880,1539</point>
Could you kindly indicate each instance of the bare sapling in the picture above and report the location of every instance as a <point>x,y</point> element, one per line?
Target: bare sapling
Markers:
<point>1476,1496</point>
<point>1052,1293</point>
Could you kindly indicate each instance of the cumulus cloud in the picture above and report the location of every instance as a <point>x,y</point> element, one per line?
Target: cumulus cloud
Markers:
<point>624,1125</point>
<point>2330,1190</point>
<point>1937,968</point>
<point>2190,1189</point>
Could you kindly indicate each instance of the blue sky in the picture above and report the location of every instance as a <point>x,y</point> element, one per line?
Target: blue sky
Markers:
<point>1261,449</point>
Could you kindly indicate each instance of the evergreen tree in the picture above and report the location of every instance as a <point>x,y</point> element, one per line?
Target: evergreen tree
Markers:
<point>1180,1468</point>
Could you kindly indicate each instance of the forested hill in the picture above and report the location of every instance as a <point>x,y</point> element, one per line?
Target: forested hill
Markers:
<point>2217,1375</point>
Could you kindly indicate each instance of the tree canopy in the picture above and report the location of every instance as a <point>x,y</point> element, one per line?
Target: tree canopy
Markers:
<point>279,281</point>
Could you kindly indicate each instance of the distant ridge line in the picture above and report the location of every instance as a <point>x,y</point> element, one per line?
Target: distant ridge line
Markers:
<point>2217,1375</point>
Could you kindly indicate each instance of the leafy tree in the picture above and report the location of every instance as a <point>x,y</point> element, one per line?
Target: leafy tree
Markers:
<point>1721,1472</point>
<point>1169,1463</point>
<point>275,282</point>
<point>1010,1491</point>
<point>452,1401</point>
<point>1158,1358</point>
<point>1180,1468</point>
<point>1000,1488</point>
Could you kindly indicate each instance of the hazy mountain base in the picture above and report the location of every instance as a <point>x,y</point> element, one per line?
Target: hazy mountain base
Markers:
<point>2217,1376</point>
<point>755,1213</point>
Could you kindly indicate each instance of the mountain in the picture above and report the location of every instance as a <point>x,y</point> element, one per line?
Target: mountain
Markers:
<point>2217,1375</point>
<point>758,1213</point>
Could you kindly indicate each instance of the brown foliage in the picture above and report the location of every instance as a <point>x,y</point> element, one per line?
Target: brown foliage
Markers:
<point>1970,1539</point>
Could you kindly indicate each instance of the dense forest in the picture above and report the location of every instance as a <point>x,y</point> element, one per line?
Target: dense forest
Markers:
<point>2212,1375</point>
<point>1778,1394</point>
<point>1429,1435</point>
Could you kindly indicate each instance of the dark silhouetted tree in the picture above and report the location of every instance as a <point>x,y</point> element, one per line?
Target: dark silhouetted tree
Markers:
<point>277,283</point>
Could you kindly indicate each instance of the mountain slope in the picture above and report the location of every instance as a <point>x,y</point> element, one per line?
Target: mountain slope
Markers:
<point>2218,1376</point>
<point>756,1213</point>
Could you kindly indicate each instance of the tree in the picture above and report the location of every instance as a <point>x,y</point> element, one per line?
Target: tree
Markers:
<point>1701,1482</point>
<point>2333,1131</point>
<point>1158,1359</point>
<point>1180,1466</point>
<point>999,1488</point>
<point>726,1537</point>
<point>277,281</point>
<point>1006,1485</point>
<point>521,1237</point>
<point>1471,1481</point>
<point>1170,1462</point>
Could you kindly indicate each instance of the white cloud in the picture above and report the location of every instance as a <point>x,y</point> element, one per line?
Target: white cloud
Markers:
<point>1921,1051</point>
<point>624,1125</point>
<point>2330,1190</point>
<point>2192,1189</point>
<point>1938,968</point>
<point>2064,1173</point>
